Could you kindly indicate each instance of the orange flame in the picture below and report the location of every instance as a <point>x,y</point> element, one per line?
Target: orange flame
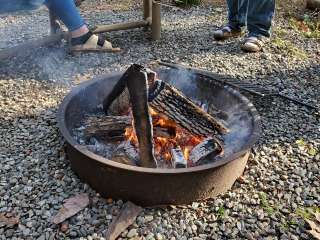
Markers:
<point>162,145</point>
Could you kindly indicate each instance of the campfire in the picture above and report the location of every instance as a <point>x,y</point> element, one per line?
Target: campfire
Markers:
<point>174,138</point>
<point>150,123</point>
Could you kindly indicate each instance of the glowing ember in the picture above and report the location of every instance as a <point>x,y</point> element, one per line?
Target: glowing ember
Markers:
<point>178,137</point>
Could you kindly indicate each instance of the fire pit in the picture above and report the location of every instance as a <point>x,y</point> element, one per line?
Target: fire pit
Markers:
<point>159,186</point>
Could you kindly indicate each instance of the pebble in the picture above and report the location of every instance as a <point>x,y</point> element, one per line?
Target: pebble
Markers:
<point>35,174</point>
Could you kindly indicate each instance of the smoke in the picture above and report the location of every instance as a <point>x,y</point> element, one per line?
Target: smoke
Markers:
<point>238,118</point>
<point>10,6</point>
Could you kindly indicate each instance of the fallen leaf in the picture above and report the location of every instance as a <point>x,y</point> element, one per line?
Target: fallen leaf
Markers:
<point>127,216</point>
<point>314,226</point>
<point>64,227</point>
<point>8,221</point>
<point>71,207</point>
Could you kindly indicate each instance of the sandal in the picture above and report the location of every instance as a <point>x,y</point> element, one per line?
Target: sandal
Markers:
<point>225,33</point>
<point>252,44</point>
<point>91,43</point>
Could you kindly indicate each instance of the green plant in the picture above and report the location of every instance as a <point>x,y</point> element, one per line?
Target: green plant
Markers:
<point>287,46</point>
<point>187,2</point>
<point>221,212</point>
<point>265,204</point>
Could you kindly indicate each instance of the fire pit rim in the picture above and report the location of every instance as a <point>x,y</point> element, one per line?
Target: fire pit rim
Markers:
<point>82,149</point>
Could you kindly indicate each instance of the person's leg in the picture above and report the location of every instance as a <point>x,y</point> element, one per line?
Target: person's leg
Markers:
<point>260,14</point>
<point>237,13</point>
<point>68,13</point>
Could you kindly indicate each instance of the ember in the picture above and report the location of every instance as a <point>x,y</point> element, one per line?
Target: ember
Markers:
<point>167,136</point>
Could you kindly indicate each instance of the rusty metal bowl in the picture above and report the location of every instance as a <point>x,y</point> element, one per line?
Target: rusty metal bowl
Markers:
<point>149,186</point>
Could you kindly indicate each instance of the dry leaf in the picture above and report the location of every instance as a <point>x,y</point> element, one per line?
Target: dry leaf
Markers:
<point>71,207</point>
<point>127,215</point>
<point>315,226</point>
<point>8,221</point>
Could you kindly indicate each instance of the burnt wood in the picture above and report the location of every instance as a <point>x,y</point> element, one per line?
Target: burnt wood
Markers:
<point>107,128</point>
<point>168,100</point>
<point>177,158</point>
<point>137,83</point>
<point>126,153</point>
<point>208,147</point>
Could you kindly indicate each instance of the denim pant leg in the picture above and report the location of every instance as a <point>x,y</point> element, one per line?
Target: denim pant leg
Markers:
<point>67,12</point>
<point>9,6</point>
<point>237,13</point>
<point>260,14</point>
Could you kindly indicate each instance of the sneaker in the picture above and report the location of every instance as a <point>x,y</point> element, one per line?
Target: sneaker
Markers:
<point>225,33</point>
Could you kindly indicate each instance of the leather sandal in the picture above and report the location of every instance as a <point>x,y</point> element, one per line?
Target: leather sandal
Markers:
<point>252,44</point>
<point>91,43</point>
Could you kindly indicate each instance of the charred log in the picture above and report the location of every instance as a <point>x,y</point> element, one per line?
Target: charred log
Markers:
<point>169,101</point>
<point>107,128</point>
<point>208,147</point>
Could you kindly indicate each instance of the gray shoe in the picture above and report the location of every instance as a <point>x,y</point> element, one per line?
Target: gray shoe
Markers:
<point>225,33</point>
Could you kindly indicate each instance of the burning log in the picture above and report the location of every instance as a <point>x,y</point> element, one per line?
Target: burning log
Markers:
<point>133,85</point>
<point>169,101</point>
<point>204,149</point>
<point>177,158</point>
<point>107,128</point>
<point>137,84</point>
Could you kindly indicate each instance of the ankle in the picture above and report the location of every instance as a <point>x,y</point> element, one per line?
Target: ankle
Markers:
<point>82,39</point>
<point>80,32</point>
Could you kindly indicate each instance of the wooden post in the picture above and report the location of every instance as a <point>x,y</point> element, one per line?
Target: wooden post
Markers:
<point>147,9</point>
<point>156,21</point>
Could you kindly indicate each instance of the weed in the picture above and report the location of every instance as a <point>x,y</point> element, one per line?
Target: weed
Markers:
<point>187,2</point>
<point>265,204</point>
<point>287,46</point>
<point>221,212</point>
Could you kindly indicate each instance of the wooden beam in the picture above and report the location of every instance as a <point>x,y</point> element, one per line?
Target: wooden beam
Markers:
<point>121,26</point>
<point>24,48</point>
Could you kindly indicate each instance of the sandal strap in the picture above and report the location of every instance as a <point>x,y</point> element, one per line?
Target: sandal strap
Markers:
<point>82,39</point>
<point>101,41</point>
<point>255,41</point>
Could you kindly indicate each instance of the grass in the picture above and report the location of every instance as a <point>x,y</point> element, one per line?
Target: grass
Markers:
<point>309,27</point>
<point>289,47</point>
<point>221,212</point>
<point>307,213</point>
<point>265,204</point>
<point>187,2</point>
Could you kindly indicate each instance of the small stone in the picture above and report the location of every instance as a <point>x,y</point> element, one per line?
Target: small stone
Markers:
<point>148,218</point>
<point>159,236</point>
<point>132,233</point>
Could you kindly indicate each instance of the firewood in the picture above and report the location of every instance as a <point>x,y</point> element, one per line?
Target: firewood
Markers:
<point>177,158</point>
<point>107,128</point>
<point>126,153</point>
<point>169,101</point>
<point>204,149</point>
<point>137,83</point>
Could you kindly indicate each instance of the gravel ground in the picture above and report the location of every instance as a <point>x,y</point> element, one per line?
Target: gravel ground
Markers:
<point>281,182</point>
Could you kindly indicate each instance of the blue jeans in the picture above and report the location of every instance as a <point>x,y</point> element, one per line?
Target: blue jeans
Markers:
<point>65,10</point>
<point>255,14</point>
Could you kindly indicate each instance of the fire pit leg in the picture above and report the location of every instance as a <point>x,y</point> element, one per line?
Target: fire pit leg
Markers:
<point>156,21</point>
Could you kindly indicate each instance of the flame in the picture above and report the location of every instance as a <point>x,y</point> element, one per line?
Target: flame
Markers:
<point>180,138</point>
